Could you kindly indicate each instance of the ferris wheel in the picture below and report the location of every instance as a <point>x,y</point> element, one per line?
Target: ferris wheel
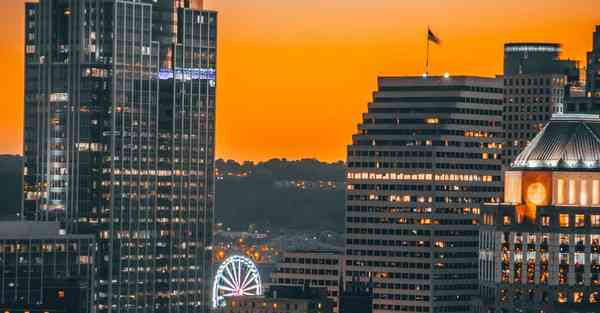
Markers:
<point>237,276</point>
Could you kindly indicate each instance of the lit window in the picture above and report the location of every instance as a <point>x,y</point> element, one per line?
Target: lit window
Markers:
<point>579,220</point>
<point>561,297</point>
<point>578,297</point>
<point>594,297</point>
<point>564,220</point>
<point>432,120</point>
<point>571,191</point>
<point>595,220</point>
<point>545,220</point>
<point>506,220</point>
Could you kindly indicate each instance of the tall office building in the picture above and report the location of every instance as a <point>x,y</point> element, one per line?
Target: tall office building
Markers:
<point>540,248</point>
<point>592,86</point>
<point>119,141</point>
<point>536,85</point>
<point>424,158</point>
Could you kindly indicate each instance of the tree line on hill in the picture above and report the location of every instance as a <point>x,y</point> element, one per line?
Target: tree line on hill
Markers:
<point>249,195</point>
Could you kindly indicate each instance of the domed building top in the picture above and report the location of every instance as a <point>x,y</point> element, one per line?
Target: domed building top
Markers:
<point>567,142</point>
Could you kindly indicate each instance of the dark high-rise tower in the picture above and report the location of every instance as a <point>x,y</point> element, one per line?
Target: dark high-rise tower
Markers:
<point>119,141</point>
<point>536,84</point>
<point>593,67</point>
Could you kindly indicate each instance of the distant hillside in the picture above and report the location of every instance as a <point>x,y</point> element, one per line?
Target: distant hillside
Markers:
<point>305,194</point>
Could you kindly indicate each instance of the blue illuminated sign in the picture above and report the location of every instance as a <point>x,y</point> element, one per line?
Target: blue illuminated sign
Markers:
<point>188,74</point>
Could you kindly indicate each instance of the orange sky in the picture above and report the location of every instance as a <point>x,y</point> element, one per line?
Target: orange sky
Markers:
<point>295,75</point>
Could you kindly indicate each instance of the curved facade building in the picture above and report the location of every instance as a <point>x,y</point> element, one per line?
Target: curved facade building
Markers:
<point>540,249</point>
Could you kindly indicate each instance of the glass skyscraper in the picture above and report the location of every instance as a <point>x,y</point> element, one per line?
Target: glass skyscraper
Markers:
<point>119,142</point>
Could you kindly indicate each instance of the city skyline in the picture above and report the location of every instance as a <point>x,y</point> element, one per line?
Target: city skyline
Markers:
<point>173,156</point>
<point>308,42</point>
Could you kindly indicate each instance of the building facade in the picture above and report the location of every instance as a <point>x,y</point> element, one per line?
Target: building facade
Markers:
<point>582,105</point>
<point>44,269</point>
<point>119,141</point>
<point>536,85</point>
<point>593,66</point>
<point>425,157</point>
<point>540,248</point>
<point>356,297</point>
<point>281,299</point>
<point>320,269</point>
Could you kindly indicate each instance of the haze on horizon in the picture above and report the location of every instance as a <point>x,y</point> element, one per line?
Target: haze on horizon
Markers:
<point>295,76</point>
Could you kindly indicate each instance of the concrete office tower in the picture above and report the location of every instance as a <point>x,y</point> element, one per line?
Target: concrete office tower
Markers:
<point>119,141</point>
<point>44,269</point>
<point>536,85</point>
<point>424,158</point>
<point>317,268</point>
<point>592,86</point>
<point>540,249</point>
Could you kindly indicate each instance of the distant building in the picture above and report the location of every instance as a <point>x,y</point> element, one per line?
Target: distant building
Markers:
<point>521,58</point>
<point>356,297</point>
<point>423,160</point>
<point>45,270</point>
<point>11,186</point>
<point>593,67</point>
<point>319,269</point>
<point>583,105</point>
<point>536,85</point>
<point>281,299</point>
<point>540,249</point>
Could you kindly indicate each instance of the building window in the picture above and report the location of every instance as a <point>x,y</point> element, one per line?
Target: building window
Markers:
<point>595,220</point>
<point>594,297</point>
<point>564,220</point>
<point>572,191</point>
<point>579,220</point>
<point>577,297</point>
<point>545,220</point>
<point>561,297</point>
<point>506,220</point>
<point>561,191</point>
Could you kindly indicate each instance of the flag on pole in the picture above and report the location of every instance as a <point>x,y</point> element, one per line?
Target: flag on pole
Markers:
<point>432,37</point>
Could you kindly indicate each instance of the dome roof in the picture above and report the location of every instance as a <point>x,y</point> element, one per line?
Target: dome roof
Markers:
<point>568,141</point>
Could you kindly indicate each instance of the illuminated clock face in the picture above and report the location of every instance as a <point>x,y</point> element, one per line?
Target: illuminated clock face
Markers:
<point>536,193</point>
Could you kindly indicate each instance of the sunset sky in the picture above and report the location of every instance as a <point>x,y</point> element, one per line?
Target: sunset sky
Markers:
<point>294,76</point>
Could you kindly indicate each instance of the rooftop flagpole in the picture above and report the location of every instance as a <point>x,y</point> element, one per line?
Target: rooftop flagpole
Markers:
<point>427,58</point>
<point>430,37</point>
